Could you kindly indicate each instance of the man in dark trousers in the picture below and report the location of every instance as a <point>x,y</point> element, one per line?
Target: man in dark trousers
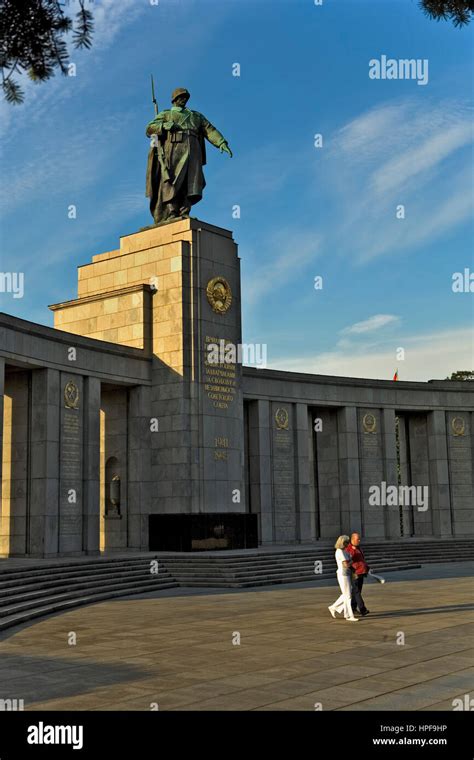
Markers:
<point>360,569</point>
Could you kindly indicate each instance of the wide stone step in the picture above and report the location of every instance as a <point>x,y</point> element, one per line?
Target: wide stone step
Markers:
<point>185,578</point>
<point>104,566</point>
<point>148,585</point>
<point>175,566</point>
<point>39,593</point>
<point>8,587</point>
<point>191,582</point>
<point>193,565</point>
<point>298,557</point>
<point>17,618</point>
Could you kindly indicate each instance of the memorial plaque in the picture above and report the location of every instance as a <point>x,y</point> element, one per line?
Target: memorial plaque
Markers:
<point>371,470</point>
<point>70,467</point>
<point>461,466</point>
<point>283,466</point>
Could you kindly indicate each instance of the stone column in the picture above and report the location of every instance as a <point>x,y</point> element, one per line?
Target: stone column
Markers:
<point>284,491</point>
<point>198,457</point>
<point>91,502</point>
<point>392,513</point>
<point>351,513</point>
<point>260,473</point>
<point>420,473</point>
<point>305,510</point>
<point>44,464</point>
<point>440,498</point>
<point>71,463</point>
<point>461,472</point>
<point>328,473</point>
<point>371,471</point>
<point>2,392</point>
<point>139,466</point>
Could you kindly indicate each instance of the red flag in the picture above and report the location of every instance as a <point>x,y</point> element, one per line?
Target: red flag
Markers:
<point>395,377</point>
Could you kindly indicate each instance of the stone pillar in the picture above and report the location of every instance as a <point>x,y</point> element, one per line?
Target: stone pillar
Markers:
<point>461,472</point>
<point>91,501</point>
<point>43,521</point>
<point>371,472</point>
<point>392,513</point>
<point>326,442</point>
<point>139,465</point>
<point>313,485</point>
<point>71,463</point>
<point>351,515</point>
<point>15,464</point>
<point>260,472</point>
<point>440,497</point>
<point>305,509</point>
<point>198,457</point>
<point>2,392</point>
<point>420,474</point>
<point>284,491</point>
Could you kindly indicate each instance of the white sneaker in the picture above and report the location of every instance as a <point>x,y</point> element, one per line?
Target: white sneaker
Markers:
<point>353,620</point>
<point>332,611</point>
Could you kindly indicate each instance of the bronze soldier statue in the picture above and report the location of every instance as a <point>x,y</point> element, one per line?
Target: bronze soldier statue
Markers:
<point>175,179</point>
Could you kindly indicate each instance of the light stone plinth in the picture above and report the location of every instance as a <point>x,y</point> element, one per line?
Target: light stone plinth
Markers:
<point>46,451</point>
<point>14,509</point>
<point>2,394</point>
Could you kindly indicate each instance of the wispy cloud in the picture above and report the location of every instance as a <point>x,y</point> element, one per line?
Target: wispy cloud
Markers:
<point>427,357</point>
<point>369,325</point>
<point>410,154</point>
<point>78,159</point>
<point>296,250</point>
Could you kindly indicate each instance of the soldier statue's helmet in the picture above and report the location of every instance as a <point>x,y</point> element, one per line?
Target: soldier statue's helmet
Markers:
<point>180,91</point>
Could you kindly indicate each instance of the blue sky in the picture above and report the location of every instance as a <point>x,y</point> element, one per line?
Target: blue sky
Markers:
<point>305,211</point>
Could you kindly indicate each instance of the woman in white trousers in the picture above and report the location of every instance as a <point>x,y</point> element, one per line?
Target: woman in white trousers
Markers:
<point>343,559</point>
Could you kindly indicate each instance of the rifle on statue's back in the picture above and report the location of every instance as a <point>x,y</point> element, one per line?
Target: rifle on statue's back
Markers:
<point>158,147</point>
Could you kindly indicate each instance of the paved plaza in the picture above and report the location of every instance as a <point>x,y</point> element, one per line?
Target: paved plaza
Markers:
<point>178,650</point>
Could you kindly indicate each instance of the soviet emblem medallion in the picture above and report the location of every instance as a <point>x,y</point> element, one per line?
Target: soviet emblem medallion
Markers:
<point>458,426</point>
<point>369,422</point>
<point>219,294</point>
<point>281,418</point>
<point>71,395</point>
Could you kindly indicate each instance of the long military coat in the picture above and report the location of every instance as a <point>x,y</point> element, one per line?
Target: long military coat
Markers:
<point>174,171</point>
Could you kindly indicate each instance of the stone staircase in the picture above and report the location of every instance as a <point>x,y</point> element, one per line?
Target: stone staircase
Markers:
<point>30,592</point>
<point>245,570</point>
<point>36,588</point>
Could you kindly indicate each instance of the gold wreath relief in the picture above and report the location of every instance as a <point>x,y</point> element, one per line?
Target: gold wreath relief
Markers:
<point>458,426</point>
<point>281,418</point>
<point>219,294</point>
<point>71,395</point>
<point>369,422</point>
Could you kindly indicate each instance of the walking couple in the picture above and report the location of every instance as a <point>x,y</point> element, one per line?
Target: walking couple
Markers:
<point>351,571</point>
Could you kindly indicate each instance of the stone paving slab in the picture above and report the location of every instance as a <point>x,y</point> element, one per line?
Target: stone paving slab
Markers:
<point>178,651</point>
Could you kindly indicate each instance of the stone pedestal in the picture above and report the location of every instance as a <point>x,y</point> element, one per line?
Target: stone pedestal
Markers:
<point>197,429</point>
<point>46,452</point>
<point>174,292</point>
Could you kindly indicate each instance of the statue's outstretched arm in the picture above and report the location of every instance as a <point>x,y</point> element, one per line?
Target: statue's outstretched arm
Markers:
<point>215,137</point>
